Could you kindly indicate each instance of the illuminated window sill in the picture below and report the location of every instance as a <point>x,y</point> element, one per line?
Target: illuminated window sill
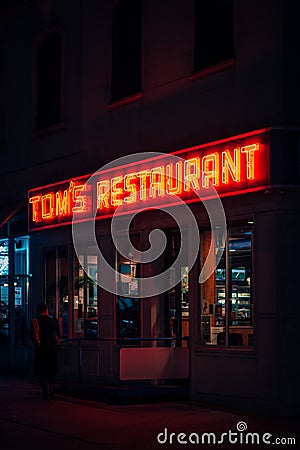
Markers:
<point>211,70</point>
<point>125,101</point>
<point>49,130</point>
<point>222,350</point>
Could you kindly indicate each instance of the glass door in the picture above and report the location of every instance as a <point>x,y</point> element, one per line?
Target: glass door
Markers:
<point>177,298</point>
<point>128,304</point>
<point>85,307</point>
<point>4,300</point>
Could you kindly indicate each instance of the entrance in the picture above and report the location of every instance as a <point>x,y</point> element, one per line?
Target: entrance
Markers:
<point>177,297</point>
<point>164,355</point>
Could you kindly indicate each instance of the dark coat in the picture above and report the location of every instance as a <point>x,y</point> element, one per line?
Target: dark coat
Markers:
<point>45,334</point>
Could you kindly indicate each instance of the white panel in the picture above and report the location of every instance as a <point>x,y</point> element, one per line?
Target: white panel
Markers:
<point>154,363</point>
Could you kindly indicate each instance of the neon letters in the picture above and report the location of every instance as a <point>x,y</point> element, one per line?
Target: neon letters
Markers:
<point>232,166</point>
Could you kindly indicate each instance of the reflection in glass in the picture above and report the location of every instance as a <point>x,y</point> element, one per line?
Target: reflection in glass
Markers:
<point>128,317</point>
<point>4,258</point>
<point>19,293</point>
<point>85,308</point>
<point>240,276</point>
<point>226,305</point>
<point>4,312</point>
<point>128,321</point>
<point>63,291</point>
<point>128,305</point>
<point>4,265</point>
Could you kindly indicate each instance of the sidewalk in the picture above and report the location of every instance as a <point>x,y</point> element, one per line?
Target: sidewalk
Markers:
<point>28,422</point>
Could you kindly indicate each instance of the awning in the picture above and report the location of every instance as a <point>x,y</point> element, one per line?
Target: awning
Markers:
<point>9,211</point>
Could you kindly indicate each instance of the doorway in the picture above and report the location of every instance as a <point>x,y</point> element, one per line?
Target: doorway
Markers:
<point>177,308</point>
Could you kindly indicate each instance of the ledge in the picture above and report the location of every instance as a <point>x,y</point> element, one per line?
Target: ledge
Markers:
<point>125,101</point>
<point>211,70</point>
<point>227,352</point>
<point>49,130</point>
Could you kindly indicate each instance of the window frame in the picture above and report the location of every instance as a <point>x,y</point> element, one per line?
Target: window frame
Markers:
<point>248,223</point>
<point>73,267</point>
<point>122,260</point>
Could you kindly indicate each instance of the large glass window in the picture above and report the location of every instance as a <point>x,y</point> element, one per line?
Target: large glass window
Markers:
<point>63,291</point>
<point>128,310</point>
<point>56,286</point>
<point>128,305</point>
<point>21,288</point>
<point>177,298</point>
<point>85,306</point>
<point>4,257</point>
<point>227,300</point>
<point>50,280</point>
<point>4,300</point>
<point>71,293</point>
<point>14,299</point>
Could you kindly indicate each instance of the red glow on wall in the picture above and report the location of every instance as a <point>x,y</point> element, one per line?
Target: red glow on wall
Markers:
<point>232,166</point>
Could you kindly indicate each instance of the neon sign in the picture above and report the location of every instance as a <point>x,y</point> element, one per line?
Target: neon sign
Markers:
<point>232,166</point>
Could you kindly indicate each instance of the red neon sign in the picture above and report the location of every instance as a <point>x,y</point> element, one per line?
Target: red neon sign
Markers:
<point>232,166</point>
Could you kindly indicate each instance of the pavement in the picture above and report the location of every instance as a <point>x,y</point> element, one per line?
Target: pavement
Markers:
<point>67,422</point>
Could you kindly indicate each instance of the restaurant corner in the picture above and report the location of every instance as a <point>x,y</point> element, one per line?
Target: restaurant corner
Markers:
<point>150,171</point>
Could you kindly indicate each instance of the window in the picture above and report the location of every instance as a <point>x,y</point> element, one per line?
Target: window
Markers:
<point>177,307</point>
<point>227,301</point>
<point>70,293</point>
<point>48,81</point>
<point>126,49</point>
<point>62,268</point>
<point>14,298</point>
<point>50,280</point>
<point>214,33</point>
<point>21,288</point>
<point>4,303</point>
<point>128,305</point>
<point>85,308</point>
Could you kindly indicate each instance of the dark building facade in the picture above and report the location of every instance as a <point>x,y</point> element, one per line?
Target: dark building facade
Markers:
<point>214,84</point>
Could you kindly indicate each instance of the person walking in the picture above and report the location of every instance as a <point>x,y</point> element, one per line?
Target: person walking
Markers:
<point>45,334</point>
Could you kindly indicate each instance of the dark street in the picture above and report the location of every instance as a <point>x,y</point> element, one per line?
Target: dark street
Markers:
<point>149,224</point>
<point>68,423</point>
